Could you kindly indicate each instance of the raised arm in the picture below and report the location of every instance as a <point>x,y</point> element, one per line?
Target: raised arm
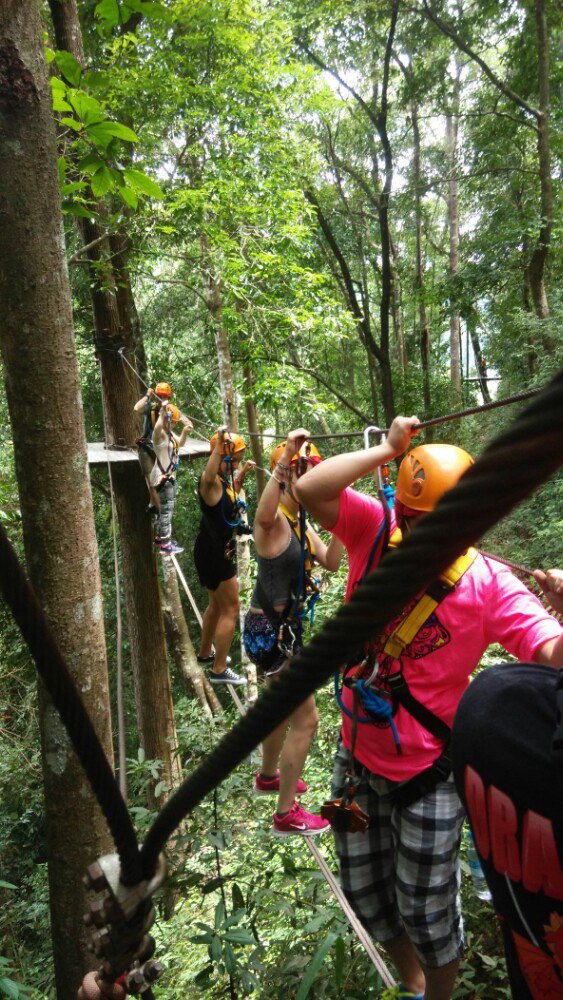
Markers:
<point>267,514</point>
<point>328,556</point>
<point>210,486</point>
<point>181,437</point>
<point>242,473</point>
<point>552,585</point>
<point>319,491</point>
<point>141,403</point>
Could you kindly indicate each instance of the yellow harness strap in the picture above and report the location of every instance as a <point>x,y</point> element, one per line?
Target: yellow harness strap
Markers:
<point>403,634</point>
<point>294,524</point>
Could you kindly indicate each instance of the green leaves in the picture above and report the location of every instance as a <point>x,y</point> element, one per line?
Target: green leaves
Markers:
<point>96,147</point>
<point>142,184</point>
<point>114,12</point>
<point>313,969</point>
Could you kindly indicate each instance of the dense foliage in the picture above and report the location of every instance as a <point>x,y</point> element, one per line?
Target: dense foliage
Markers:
<point>260,157</point>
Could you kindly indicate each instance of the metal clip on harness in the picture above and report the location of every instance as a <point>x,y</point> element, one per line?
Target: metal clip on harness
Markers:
<point>121,919</point>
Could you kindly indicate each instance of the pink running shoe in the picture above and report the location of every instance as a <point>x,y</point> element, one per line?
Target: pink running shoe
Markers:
<point>263,787</point>
<point>299,821</point>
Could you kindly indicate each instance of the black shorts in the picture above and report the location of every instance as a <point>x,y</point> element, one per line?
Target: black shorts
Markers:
<point>211,565</point>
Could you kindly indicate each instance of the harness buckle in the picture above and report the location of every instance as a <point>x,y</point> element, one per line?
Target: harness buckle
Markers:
<point>397,683</point>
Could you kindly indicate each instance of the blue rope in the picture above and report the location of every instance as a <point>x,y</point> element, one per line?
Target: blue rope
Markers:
<point>378,707</point>
<point>389,495</point>
<point>373,550</point>
<point>238,504</point>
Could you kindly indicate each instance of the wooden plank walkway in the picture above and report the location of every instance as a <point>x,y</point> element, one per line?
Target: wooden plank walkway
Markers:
<point>98,454</point>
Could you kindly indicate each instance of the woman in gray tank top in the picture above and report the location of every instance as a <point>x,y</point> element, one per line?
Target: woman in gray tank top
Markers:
<point>272,630</point>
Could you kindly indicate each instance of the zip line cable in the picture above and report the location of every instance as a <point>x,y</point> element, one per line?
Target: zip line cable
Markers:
<point>529,394</point>
<point>433,422</point>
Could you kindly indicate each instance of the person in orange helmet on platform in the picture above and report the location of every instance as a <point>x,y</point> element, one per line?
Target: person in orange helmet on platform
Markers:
<point>167,445</point>
<point>215,548</point>
<point>398,700</point>
<point>149,405</point>
<point>286,547</point>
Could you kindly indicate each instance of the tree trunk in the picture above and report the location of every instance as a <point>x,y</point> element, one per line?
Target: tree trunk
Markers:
<point>254,428</point>
<point>397,308</point>
<point>423,325</point>
<point>181,646</point>
<point>452,121</point>
<point>480,363</point>
<point>541,249</point>
<point>116,326</point>
<point>44,401</point>
<point>372,372</point>
<point>230,416</point>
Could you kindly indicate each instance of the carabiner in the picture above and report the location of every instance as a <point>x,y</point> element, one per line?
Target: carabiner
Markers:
<point>375,430</point>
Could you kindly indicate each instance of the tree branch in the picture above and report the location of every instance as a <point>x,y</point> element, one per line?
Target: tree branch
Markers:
<point>77,256</point>
<point>322,65</point>
<point>450,32</point>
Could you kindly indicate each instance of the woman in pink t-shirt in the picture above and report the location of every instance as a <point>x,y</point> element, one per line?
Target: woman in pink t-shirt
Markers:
<point>402,875</point>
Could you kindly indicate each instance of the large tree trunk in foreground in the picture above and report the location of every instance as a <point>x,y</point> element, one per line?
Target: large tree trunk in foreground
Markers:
<point>116,326</point>
<point>37,343</point>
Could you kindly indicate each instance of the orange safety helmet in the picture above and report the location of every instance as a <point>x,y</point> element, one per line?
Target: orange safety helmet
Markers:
<point>307,451</point>
<point>163,389</point>
<point>174,412</point>
<point>429,471</point>
<point>231,443</point>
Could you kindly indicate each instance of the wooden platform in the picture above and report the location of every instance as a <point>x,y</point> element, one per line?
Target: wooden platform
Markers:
<point>98,454</point>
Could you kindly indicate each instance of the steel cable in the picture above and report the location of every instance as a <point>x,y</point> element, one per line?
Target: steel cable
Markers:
<point>514,464</point>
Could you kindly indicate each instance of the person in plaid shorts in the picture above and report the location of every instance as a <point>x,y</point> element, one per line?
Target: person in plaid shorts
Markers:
<point>402,874</point>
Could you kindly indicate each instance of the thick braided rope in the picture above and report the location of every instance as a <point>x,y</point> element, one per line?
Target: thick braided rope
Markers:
<point>513,465</point>
<point>52,668</point>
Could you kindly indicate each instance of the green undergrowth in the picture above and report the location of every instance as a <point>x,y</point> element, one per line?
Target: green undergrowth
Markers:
<point>253,916</point>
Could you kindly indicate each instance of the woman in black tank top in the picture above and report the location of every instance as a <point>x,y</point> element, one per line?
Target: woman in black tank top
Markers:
<point>274,612</point>
<point>219,485</point>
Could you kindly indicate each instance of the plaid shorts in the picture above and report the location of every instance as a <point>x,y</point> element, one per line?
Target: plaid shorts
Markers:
<point>403,873</point>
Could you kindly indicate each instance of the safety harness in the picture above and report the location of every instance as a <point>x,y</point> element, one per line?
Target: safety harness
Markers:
<point>383,704</point>
<point>238,510</point>
<point>297,607</point>
<point>152,410</point>
<point>173,460</point>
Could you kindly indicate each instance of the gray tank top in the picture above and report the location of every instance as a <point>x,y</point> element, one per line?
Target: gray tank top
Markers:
<point>279,575</point>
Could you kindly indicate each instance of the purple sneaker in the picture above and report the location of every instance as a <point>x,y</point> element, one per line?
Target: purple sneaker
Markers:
<point>170,549</point>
